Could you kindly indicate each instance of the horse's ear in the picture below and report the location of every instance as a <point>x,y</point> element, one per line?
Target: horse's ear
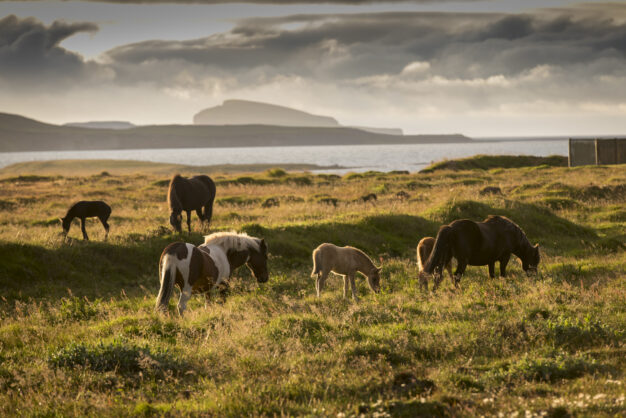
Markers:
<point>263,245</point>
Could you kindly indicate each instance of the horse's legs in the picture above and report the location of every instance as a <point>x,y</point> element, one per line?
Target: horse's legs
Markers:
<point>448,269</point>
<point>503,262</point>
<point>492,270</point>
<point>438,278</point>
<point>317,284</point>
<point>188,220</point>
<point>423,280</point>
<point>353,285</point>
<point>103,220</point>
<point>460,269</point>
<point>185,295</point>
<point>208,213</point>
<point>321,279</point>
<point>346,283</point>
<point>82,228</point>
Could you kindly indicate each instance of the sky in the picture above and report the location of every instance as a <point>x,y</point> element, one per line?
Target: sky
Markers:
<point>482,68</point>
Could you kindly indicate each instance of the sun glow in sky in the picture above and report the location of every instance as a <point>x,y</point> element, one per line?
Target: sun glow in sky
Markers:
<point>481,68</point>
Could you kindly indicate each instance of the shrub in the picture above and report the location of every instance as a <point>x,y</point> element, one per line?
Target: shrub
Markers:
<point>161,183</point>
<point>574,333</point>
<point>300,180</point>
<point>116,357</point>
<point>78,309</point>
<point>276,172</point>
<point>548,369</point>
<point>27,179</point>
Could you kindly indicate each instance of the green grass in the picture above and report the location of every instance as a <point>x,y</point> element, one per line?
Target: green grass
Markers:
<point>488,162</point>
<point>79,335</point>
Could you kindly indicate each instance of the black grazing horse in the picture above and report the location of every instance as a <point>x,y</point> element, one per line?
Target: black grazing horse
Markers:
<point>196,193</point>
<point>87,209</point>
<point>482,243</point>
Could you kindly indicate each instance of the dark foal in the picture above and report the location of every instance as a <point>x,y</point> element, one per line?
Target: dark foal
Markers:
<point>87,209</point>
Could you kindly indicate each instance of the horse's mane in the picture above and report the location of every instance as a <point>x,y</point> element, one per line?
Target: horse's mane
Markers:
<point>234,240</point>
<point>362,254</point>
<point>172,196</point>
<point>510,226</point>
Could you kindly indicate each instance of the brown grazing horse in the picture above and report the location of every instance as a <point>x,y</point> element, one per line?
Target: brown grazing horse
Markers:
<point>87,209</point>
<point>196,193</point>
<point>480,244</point>
<point>424,248</point>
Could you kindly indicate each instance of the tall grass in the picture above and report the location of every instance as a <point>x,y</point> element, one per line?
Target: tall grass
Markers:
<point>78,334</point>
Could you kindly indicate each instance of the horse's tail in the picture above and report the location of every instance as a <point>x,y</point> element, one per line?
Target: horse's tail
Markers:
<point>172,195</point>
<point>317,263</point>
<point>208,208</point>
<point>421,257</point>
<point>167,271</point>
<point>442,252</point>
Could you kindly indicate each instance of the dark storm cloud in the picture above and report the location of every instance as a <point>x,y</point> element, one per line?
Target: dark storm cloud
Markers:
<point>30,51</point>
<point>341,47</point>
<point>286,2</point>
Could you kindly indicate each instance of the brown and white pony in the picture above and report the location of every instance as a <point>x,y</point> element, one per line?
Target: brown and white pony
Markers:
<point>201,269</point>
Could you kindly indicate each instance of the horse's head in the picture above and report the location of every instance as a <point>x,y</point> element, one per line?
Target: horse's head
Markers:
<point>257,262</point>
<point>373,279</point>
<point>176,220</point>
<point>66,223</point>
<point>531,260</point>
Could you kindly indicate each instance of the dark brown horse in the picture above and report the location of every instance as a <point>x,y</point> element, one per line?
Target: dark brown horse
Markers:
<point>480,244</point>
<point>87,209</point>
<point>196,193</point>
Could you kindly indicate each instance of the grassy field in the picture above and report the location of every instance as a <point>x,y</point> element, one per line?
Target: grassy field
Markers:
<point>127,167</point>
<point>78,335</point>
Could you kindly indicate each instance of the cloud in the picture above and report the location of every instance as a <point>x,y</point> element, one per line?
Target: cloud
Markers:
<point>343,48</point>
<point>30,52</point>
<point>393,69</point>
<point>287,2</point>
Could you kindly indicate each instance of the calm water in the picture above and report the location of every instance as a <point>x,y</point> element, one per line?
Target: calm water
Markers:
<point>357,158</point>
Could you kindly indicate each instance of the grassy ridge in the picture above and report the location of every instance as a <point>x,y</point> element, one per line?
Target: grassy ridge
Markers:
<point>487,162</point>
<point>78,334</point>
<point>126,167</point>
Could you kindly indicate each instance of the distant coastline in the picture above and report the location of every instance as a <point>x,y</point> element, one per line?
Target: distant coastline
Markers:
<point>20,134</point>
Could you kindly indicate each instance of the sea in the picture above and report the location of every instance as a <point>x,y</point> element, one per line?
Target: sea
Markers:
<point>338,159</point>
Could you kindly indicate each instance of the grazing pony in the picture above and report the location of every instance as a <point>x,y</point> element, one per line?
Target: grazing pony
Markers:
<point>201,269</point>
<point>424,248</point>
<point>482,243</point>
<point>87,209</point>
<point>196,193</point>
<point>346,262</point>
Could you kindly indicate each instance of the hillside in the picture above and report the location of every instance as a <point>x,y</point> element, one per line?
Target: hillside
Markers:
<point>244,112</point>
<point>106,124</point>
<point>79,335</point>
<point>18,133</point>
<point>125,167</point>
